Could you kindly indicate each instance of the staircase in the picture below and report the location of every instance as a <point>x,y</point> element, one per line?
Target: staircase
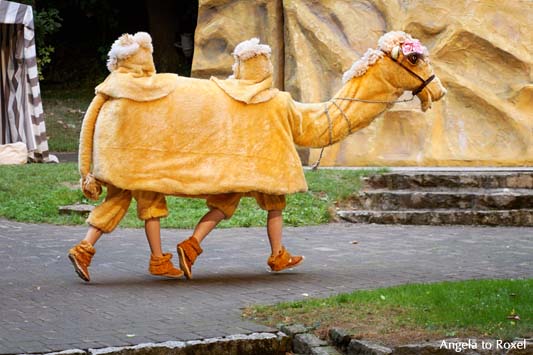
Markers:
<point>468,197</point>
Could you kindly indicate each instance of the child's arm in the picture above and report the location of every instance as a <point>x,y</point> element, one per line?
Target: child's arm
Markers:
<point>90,187</point>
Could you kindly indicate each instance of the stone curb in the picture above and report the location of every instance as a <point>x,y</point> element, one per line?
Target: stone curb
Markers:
<point>305,343</point>
<point>453,346</point>
<point>255,343</point>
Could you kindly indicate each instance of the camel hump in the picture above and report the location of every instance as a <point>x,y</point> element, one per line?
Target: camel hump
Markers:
<point>144,88</point>
<point>247,91</point>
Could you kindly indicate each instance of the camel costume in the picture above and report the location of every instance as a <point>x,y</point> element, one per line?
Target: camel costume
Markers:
<point>250,83</point>
<point>132,71</point>
<point>193,137</point>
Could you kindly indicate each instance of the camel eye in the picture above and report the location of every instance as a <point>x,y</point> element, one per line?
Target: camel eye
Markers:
<point>413,57</point>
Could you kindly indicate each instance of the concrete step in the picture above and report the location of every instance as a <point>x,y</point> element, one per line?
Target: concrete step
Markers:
<point>521,217</point>
<point>451,179</point>
<point>479,199</point>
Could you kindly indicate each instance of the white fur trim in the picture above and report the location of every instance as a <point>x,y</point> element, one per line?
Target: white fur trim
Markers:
<point>395,38</point>
<point>251,48</point>
<point>392,39</point>
<point>127,45</point>
<point>395,52</point>
<point>235,66</point>
<point>385,45</point>
<point>361,66</point>
<point>144,40</point>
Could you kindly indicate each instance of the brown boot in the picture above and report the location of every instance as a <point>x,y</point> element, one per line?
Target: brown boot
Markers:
<point>284,260</point>
<point>162,266</point>
<point>188,251</point>
<point>81,255</point>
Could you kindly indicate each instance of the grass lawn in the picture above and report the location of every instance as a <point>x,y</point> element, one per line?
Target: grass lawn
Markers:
<point>63,111</point>
<point>410,313</point>
<point>33,193</point>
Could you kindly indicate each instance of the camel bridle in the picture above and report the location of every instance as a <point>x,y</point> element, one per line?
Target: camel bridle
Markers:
<point>418,90</point>
<point>425,82</point>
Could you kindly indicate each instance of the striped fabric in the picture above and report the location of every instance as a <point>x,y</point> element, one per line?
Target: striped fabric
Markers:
<point>21,109</point>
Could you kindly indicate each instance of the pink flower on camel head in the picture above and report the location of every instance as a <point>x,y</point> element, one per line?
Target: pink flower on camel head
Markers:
<point>412,46</point>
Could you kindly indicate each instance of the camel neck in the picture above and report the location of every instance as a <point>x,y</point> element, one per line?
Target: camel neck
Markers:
<point>326,123</point>
<point>374,91</point>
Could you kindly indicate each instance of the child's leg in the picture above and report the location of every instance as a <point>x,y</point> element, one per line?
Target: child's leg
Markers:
<point>274,204</point>
<point>103,219</point>
<point>280,259</point>
<point>151,206</point>
<point>221,207</point>
<point>275,230</point>
<point>189,249</point>
<point>152,228</point>
<point>207,223</point>
<point>93,234</point>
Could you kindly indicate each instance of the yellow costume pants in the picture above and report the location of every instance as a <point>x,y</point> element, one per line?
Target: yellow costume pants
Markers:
<point>109,213</point>
<point>227,203</point>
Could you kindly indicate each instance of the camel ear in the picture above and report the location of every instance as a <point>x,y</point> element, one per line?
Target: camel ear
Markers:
<point>395,52</point>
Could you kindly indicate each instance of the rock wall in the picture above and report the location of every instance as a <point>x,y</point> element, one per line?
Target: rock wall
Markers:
<point>481,50</point>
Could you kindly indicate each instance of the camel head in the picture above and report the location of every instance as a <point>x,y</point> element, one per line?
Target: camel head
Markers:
<point>405,64</point>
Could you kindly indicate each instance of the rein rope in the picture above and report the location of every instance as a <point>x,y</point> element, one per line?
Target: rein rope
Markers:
<point>425,82</point>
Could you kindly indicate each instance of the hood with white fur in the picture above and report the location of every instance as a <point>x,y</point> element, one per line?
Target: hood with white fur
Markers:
<point>132,53</point>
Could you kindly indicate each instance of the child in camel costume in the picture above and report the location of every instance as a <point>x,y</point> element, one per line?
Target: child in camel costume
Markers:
<point>252,65</point>
<point>130,63</point>
<point>224,139</point>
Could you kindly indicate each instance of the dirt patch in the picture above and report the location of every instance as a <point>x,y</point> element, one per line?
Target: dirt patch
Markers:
<point>389,326</point>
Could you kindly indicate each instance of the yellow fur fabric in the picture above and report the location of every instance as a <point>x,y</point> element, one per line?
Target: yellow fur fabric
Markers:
<point>248,91</point>
<point>197,140</point>
<point>200,139</point>
<point>124,85</point>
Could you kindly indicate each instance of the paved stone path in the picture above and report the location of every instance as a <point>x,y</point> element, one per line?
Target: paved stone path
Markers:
<point>45,307</point>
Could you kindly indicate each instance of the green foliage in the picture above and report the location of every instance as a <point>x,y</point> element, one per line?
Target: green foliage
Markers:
<point>47,21</point>
<point>33,193</point>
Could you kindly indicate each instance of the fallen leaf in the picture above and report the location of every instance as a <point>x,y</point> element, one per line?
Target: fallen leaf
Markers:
<point>354,242</point>
<point>513,315</point>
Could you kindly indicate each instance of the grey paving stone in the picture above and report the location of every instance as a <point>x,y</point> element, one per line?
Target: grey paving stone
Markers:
<point>325,350</point>
<point>44,300</point>
<point>339,337</point>
<point>304,343</point>
<point>293,329</point>
<point>361,347</point>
